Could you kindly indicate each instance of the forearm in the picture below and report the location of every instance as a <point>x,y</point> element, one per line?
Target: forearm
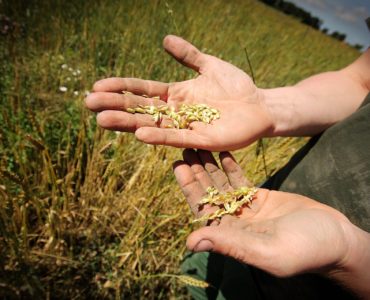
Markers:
<point>352,270</point>
<point>316,103</point>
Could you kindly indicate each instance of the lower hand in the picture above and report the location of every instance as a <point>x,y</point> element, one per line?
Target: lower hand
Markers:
<point>281,233</point>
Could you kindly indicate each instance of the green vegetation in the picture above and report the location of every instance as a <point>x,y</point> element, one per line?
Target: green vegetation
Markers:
<point>86,213</point>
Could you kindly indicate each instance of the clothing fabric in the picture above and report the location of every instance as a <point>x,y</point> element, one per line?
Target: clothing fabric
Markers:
<point>334,168</point>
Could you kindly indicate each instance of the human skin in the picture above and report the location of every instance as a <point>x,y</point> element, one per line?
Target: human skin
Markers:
<point>282,233</point>
<point>247,112</point>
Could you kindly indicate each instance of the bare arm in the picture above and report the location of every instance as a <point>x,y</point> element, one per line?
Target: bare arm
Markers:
<point>320,101</point>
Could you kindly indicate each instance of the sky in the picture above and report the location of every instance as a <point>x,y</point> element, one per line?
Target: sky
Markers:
<point>345,16</point>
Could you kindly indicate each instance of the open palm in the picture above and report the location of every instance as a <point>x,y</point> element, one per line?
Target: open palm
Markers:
<point>243,114</point>
<point>281,233</point>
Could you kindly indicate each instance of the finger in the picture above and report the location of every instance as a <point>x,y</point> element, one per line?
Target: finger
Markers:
<point>122,121</point>
<point>100,101</point>
<point>184,52</point>
<point>233,171</point>
<point>133,85</point>
<point>228,240</point>
<point>218,177</point>
<point>192,159</point>
<point>190,186</point>
<point>180,138</point>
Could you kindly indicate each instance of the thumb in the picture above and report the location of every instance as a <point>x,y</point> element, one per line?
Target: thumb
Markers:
<point>212,238</point>
<point>225,240</point>
<point>232,240</point>
<point>184,52</point>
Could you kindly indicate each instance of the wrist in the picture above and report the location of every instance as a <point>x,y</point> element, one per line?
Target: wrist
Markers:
<point>351,269</point>
<point>280,105</point>
<point>296,111</point>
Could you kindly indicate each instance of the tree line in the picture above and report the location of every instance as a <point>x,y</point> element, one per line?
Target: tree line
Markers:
<point>306,18</point>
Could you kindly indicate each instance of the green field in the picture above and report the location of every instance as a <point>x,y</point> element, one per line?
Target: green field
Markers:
<point>87,213</point>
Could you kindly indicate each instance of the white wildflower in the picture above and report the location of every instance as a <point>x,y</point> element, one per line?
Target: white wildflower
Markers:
<point>63,89</point>
<point>64,66</point>
<point>75,93</point>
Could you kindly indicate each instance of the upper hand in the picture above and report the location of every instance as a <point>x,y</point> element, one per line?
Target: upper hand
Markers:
<point>243,114</point>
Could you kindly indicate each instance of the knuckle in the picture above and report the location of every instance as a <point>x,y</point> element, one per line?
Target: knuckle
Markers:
<point>225,185</point>
<point>212,169</point>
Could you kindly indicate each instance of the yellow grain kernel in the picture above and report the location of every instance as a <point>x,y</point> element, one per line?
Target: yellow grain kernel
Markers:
<point>183,117</point>
<point>227,203</point>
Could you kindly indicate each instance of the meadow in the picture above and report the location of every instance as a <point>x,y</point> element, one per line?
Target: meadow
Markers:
<point>91,214</point>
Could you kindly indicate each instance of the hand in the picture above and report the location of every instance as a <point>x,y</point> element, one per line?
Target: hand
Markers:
<point>281,233</point>
<point>244,116</point>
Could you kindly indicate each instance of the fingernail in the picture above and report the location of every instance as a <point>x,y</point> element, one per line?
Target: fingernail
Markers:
<point>140,134</point>
<point>203,245</point>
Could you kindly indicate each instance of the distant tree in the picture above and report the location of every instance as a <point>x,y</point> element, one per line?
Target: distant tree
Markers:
<point>339,36</point>
<point>358,46</point>
<point>293,10</point>
<point>306,18</point>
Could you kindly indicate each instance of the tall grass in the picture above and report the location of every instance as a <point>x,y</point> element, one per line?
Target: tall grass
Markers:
<point>86,213</point>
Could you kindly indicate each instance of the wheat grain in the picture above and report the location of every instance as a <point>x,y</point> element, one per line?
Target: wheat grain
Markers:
<point>182,118</point>
<point>228,203</point>
<point>188,280</point>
